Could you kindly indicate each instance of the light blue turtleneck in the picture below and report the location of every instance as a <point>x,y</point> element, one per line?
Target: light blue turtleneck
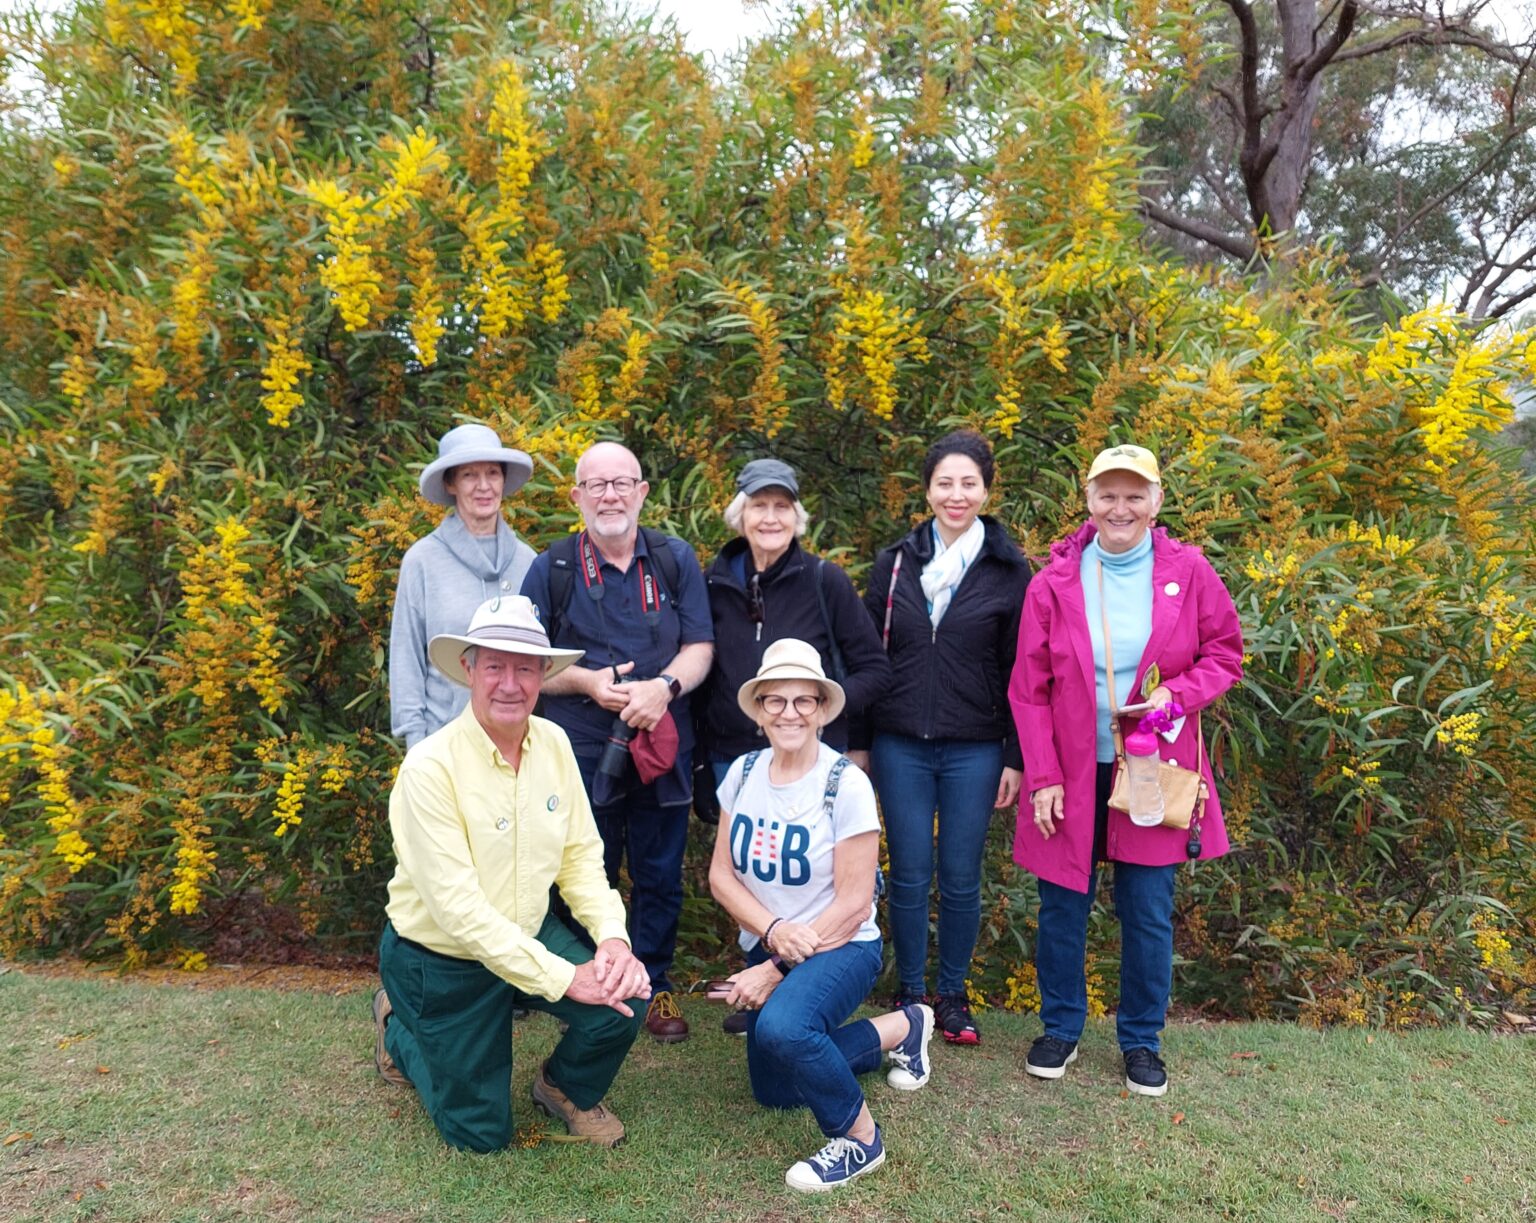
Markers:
<point>1128,596</point>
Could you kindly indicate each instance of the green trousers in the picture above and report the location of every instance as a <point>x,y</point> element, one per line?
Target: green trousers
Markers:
<point>451,1035</point>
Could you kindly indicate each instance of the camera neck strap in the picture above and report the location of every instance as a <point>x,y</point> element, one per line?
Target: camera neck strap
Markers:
<point>592,577</point>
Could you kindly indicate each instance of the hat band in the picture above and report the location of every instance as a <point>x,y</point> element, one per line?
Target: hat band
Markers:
<point>508,632</point>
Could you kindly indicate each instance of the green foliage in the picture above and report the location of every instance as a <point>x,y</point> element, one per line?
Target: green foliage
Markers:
<point>255,257</point>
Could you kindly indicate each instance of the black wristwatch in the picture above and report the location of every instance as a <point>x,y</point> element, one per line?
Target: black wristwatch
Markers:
<point>673,683</point>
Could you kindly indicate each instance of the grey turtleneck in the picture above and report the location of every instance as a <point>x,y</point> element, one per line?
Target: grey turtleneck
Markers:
<point>443,578</point>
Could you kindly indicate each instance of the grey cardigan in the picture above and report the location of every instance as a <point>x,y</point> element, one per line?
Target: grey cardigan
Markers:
<point>443,578</point>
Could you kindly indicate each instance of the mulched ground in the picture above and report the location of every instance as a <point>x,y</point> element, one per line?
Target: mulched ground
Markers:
<point>284,978</point>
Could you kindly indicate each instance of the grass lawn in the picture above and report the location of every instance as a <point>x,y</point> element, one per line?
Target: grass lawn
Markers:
<point>124,1101</point>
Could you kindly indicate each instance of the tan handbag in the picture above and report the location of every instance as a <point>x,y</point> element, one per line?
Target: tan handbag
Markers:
<point>1184,790</point>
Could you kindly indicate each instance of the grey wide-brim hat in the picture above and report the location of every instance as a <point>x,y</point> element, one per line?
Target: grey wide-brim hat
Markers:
<point>791,658</point>
<point>473,443</point>
<point>509,623</point>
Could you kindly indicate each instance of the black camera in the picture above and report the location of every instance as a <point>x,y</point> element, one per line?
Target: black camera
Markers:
<point>615,758</point>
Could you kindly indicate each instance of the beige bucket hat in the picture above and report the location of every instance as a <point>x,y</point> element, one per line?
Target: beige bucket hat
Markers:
<point>791,658</point>
<point>509,623</point>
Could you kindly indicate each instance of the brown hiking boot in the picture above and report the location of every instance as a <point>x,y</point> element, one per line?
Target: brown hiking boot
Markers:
<point>382,1062</point>
<point>596,1124</point>
<point>663,1019</point>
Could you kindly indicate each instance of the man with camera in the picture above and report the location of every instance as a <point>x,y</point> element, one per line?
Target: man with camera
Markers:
<point>486,813</point>
<point>634,600</point>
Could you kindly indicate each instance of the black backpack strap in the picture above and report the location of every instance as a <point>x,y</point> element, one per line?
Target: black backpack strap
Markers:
<point>656,543</point>
<point>839,670</point>
<point>562,581</point>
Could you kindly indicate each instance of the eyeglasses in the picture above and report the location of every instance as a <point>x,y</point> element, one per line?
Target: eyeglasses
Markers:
<point>774,704</point>
<point>622,485</point>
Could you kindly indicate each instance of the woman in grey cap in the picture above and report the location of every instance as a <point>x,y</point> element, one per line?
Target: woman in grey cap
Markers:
<point>764,587</point>
<point>472,556</point>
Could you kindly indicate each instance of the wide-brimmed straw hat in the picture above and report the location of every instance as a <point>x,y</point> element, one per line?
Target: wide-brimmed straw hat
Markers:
<point>509,623</point>
<point>473,443</point>
<point>1136,459</point>
<point>791,658</point>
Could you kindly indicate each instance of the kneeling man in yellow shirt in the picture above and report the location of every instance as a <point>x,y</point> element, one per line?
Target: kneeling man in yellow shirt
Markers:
<point>486,814</point>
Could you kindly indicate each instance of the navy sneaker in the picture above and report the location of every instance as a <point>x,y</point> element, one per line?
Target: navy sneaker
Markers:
<point>954,1015</point>
<point>1144,1073</point>
<point>837,1163</point>
<point>1049,1058</point>
<point>910,1067</point>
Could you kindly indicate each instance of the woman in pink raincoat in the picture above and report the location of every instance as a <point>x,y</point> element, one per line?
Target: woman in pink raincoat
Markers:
<point>1163,605</point>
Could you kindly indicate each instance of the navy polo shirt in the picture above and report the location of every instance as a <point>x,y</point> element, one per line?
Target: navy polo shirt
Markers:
<point>615,631</point>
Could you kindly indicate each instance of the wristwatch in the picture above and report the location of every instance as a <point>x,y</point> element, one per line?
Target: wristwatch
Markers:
<point>673,683</point>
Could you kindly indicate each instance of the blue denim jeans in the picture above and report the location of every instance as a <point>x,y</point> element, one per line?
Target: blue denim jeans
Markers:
<point>1143,897</point>
<point>801,1049</point>
<point>958,779</point>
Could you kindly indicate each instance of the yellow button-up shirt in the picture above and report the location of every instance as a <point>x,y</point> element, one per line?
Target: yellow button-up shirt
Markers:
<point>478,843</point>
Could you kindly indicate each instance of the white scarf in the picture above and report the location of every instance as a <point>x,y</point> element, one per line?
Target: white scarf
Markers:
<point>943,573</point>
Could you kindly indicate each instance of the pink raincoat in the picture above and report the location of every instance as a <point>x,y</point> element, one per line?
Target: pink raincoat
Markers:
<point>1197,643</point>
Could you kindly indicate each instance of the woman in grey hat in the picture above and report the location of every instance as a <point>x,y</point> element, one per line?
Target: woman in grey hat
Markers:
<point>471,557</point>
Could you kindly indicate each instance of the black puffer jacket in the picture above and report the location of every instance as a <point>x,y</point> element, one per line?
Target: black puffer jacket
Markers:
<point>790,609</point>
<point>949,683</point>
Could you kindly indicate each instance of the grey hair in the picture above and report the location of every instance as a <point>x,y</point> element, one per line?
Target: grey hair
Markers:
<point>733,513</point>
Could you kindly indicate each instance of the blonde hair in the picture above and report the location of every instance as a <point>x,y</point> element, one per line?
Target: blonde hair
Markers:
<point>738,504</point>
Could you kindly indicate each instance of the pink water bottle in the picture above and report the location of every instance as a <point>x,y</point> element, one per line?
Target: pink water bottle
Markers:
<point>1141,761</point>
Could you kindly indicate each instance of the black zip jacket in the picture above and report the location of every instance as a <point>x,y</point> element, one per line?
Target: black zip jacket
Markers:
<point>790,609</point>
<point>950,682</point>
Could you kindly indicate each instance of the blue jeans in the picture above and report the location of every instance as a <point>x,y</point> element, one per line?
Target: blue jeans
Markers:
<point>801,1049</point>
<point>652,837</point>
<point>958,779</point>
<point>1144,905</point>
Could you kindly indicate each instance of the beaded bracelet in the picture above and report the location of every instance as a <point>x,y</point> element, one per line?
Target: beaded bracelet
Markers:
<point>768,932</point>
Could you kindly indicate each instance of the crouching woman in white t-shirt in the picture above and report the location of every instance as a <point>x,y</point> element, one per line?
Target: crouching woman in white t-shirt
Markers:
<point>794,865</point>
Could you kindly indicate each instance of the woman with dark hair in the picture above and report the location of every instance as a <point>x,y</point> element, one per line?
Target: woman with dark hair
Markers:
<point>945,599</point>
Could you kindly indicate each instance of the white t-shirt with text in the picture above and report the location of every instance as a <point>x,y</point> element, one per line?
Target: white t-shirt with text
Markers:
<point>782,841</point>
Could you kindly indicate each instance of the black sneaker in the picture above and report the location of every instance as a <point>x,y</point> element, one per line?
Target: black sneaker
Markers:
<point>954,1015</point>
<point>1144,1073</point>
<point>1049,1058</point>
<point>734,1024</point>
<point>906,997</point>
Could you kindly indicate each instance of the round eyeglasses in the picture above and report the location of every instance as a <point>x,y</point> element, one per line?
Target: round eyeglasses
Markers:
<point>773,704</point>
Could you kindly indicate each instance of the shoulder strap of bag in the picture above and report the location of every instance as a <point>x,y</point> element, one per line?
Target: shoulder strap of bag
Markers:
<point>839,670</point>
<point>834,778</point>
<point>890,598</point>
<point>746,765</point>
<point>562,580</point>
<point>1109,672</point>
<point>666,560</point>
<point>1114,708</point>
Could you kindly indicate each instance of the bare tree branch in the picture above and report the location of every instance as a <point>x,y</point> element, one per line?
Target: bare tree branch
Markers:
<point>1238,248</point>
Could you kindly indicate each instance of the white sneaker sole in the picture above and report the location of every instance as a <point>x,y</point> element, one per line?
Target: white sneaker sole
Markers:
<point>1050,1072</point>
<point>809,1182</point>
<point>1141,1089</point>
<point>903,1079</point>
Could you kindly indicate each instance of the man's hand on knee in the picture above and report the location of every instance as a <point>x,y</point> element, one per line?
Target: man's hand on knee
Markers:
<point>610,977</point>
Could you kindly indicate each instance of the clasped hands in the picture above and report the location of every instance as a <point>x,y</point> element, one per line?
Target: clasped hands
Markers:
<point>640,704</point>
<point>610,978</point>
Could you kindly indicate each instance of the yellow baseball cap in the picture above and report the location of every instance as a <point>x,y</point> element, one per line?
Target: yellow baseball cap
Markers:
<point>1127,458</point>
